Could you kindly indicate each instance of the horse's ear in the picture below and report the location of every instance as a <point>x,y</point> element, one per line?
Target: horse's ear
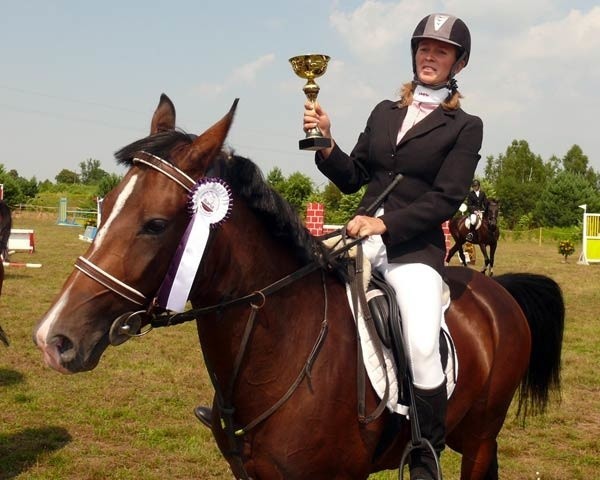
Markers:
<point>206,147</point>
<point>164,116</point>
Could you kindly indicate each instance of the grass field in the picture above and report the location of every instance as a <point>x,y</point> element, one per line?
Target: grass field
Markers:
<point>131,418</point>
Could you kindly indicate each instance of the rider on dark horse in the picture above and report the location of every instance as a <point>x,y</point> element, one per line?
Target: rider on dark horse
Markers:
<point>476,205</point>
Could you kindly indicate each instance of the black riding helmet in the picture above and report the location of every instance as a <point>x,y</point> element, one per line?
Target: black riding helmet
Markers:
<point>445,28</point>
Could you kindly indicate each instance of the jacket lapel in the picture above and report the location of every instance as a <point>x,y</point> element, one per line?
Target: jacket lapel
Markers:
<point>397,115</point>
<point>431,121</point>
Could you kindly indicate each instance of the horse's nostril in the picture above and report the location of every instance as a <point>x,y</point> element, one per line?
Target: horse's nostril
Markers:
<point>65,348</point>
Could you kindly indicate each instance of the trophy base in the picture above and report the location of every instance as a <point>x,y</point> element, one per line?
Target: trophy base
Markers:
<point>314,143</point>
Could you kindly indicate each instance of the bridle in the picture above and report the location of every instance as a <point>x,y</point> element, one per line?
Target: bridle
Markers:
<point>130,324</point>
<point>152,313</point>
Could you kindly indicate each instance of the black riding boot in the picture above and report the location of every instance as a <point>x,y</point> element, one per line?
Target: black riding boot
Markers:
<point>204,414</point>
<point>431,409</point>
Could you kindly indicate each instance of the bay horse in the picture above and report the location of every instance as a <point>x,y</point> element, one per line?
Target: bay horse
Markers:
<point>274,322</point>
<point>486,235</point>
<point>5,227</point>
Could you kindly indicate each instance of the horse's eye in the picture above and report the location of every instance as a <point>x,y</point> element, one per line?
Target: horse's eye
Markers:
<point>154,226</point>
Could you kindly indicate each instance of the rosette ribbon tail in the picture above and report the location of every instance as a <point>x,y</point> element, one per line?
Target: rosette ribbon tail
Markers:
<point>210,203</point>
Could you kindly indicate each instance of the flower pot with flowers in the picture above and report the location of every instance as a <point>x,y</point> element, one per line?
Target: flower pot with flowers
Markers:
<point>566,248</point>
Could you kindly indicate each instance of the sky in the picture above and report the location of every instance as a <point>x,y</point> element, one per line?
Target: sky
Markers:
<point>81,79</point>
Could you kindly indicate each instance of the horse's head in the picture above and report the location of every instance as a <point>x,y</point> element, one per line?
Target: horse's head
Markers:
<point>491,213</point>
<point>146,214</point>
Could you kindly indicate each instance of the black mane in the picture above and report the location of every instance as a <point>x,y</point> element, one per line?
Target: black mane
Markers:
<point>246,181</point>
<point>160,144</point>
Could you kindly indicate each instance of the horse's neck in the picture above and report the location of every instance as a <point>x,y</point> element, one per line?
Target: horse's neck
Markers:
<point>279,340</point>
<point>239,265</point>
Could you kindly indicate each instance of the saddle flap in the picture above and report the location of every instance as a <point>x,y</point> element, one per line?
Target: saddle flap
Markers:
<point>380,312</point>
<point>386,316</point>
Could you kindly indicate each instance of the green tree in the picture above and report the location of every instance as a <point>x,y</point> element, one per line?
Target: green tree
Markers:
<point>91,173</point>
<point>492,169</point>
<point>107,183</point>
<point>519,177</point>
<point>349,205</point>
<point>575,161</point>
<point>298,188</point>
<point>332,196</point>
<point>16,188</point>
<point>553,166</point>
<point>29,188</point>
<point>12,191</point>
<point>67,176</point>
<point>276,179</point>
<point>557,206</point>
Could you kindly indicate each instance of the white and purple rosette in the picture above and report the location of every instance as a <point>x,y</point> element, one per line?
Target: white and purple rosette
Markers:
<point>209,203</point>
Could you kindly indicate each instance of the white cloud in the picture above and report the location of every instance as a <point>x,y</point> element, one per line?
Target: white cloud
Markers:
<point>374,29</point>
<point>572,37</point>
<point>505,14</point>
<point>247,73</point>
<point>242,75</point>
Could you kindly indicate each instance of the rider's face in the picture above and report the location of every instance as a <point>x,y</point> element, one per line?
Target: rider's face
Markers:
<point>434,60</point>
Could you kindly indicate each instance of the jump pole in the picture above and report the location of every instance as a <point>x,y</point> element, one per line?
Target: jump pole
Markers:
<point>582,257</point>
<point>22,265</point>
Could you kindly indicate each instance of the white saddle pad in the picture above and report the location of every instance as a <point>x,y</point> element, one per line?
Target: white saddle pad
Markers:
<point>378,372</point>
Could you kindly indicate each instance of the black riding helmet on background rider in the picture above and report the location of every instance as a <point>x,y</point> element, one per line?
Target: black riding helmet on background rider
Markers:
<point>444,28</point>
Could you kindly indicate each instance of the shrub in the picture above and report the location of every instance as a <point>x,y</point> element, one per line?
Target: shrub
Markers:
<point>566,248</point>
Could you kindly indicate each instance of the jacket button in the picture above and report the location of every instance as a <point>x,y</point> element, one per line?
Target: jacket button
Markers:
<point>390,174</point>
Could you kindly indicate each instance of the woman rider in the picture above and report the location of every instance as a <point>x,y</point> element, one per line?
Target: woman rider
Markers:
<point>434,144</point>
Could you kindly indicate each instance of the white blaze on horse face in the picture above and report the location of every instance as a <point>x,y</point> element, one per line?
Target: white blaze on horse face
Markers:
<point>51,356</point>
<point>119,204</point>
<point>45,330</point>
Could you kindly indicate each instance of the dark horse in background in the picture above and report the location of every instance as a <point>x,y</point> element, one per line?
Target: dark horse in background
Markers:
<point>275,326</point>
<point>5,226</point>
<point>486,235</point>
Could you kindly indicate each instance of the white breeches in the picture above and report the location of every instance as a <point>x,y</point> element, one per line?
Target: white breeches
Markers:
<point>419,293</point>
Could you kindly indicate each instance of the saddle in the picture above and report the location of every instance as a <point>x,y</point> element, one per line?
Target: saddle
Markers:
<point>474,219</point>
<point>382,317</point>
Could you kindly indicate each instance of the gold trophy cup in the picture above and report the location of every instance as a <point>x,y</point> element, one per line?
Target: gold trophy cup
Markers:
<point>310,67</point>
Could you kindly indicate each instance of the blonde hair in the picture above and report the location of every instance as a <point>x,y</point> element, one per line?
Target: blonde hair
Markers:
<point>406,97</point>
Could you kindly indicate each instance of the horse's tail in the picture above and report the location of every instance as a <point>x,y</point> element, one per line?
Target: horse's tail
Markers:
<point>542,302</point>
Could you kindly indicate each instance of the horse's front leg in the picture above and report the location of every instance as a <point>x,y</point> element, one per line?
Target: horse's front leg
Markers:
<point>451,253</point>
<point>486,262</point>
<point>492,255</point>
<point>461,254</point>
